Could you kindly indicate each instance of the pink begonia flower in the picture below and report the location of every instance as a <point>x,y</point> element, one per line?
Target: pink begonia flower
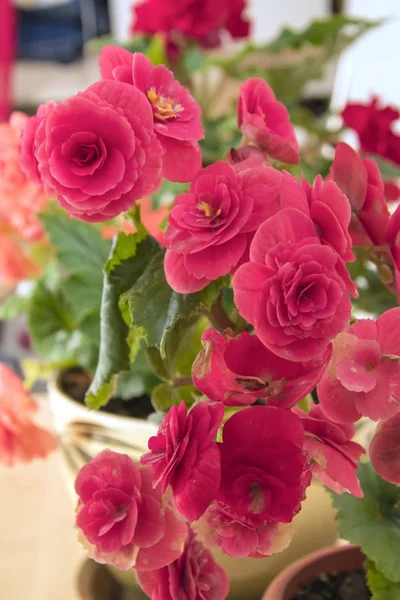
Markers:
<point>327,207</point>
<point>97,151</point>
<point>193,576</point>
<point>331,213</point>
<point>373,125</point>
<point>334,456</point>
<point>151,219</point>
<point>176,114</point>
<point>241,536</point>
<point>238,370</point>
<point>392,236</point>
<point>265,121</point>
<point>185,456</point>
<point>21,199</point>
<point>27,150</point>
<point>123,520</point>
<point>15,266</point>
<point>363,376</point>
<point>264,469</point>
<point>291,290</point>
<point>21,440</point>
<point>391,190</point>
<point>361,181</point>
<point>384,450</point>
<point>210,227</point>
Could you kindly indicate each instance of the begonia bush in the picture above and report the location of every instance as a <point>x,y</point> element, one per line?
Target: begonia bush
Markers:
<point>242,295</point>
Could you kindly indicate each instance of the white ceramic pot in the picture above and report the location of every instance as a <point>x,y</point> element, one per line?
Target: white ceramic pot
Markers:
<point>84,433</point>
<point>67,411</point>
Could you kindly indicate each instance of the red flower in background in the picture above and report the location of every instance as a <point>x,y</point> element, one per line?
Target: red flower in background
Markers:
<point>372,123</point>
<point>264,470</point>
<point>334,456</point>
<point>27,151</point>
<point>175,112</point>
<point>20,199</point>
<point>151,218</point>
<point>15,266</point>
<point>97,151</point>
<point>361,181</point>
<point>292,289</point>
<point>211,226</point>
<point>203,21</point>
<point>265,121</point>
<point>392,236</point>
<point>237,371</point>
<point>123,520</point>
<point>363,376</point>
<point>185,456</point>
<point>194,575</point>
<point>21,440</point>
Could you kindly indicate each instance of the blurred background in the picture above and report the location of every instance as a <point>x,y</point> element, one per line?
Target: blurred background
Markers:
<point>52,61</point>
<point>48,51</point>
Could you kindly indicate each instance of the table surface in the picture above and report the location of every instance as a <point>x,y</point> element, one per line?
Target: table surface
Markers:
<point>39,551</point>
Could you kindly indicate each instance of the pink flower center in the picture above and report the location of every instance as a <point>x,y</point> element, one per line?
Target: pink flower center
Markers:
<point>164,108</point>
<point>208,210</point>
<point>86,154</point>
<point>258,498</point>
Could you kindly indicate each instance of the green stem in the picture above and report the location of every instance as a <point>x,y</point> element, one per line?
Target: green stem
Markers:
<point>218,317</point>
<point>182,381</point>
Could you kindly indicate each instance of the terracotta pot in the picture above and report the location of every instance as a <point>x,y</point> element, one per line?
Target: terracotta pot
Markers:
<point>335,558</point>
<point>84,433</point>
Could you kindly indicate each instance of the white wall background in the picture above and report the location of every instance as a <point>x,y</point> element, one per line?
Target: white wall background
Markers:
<point>373,64</point>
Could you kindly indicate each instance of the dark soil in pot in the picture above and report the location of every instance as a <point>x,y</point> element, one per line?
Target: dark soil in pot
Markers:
<point>336,586</point>
<point>75,383</point>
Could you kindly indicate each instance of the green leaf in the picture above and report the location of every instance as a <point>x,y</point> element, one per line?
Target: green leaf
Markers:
<point>167,193</point>
<point>294,58</point>
<point>127,261</point>
<point>381,588</point>
<point>181,348</point>
<point>138,43</point>
<point>134,215</point>
<point>156,50</point>
<point>321,32</point>
<point>373,521</point>
<point>155,308</point>
<point>139,380</point>
<point>193,59</point>
<point>54,331</point>
<point>80,247</point>
<point>165,396</point>
<point>388,169</point>
<point>159,366</point>
<point>82,252</point>
<point>37,369</point>
<point>14,306</point>
<point>84,295</point>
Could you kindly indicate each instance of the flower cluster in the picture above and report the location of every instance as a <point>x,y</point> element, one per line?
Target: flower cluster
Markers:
<point>102,150</point>
<point>21,439</point>
<point>21,201</point>
<point>233,478</point>
<point>203,22</point>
